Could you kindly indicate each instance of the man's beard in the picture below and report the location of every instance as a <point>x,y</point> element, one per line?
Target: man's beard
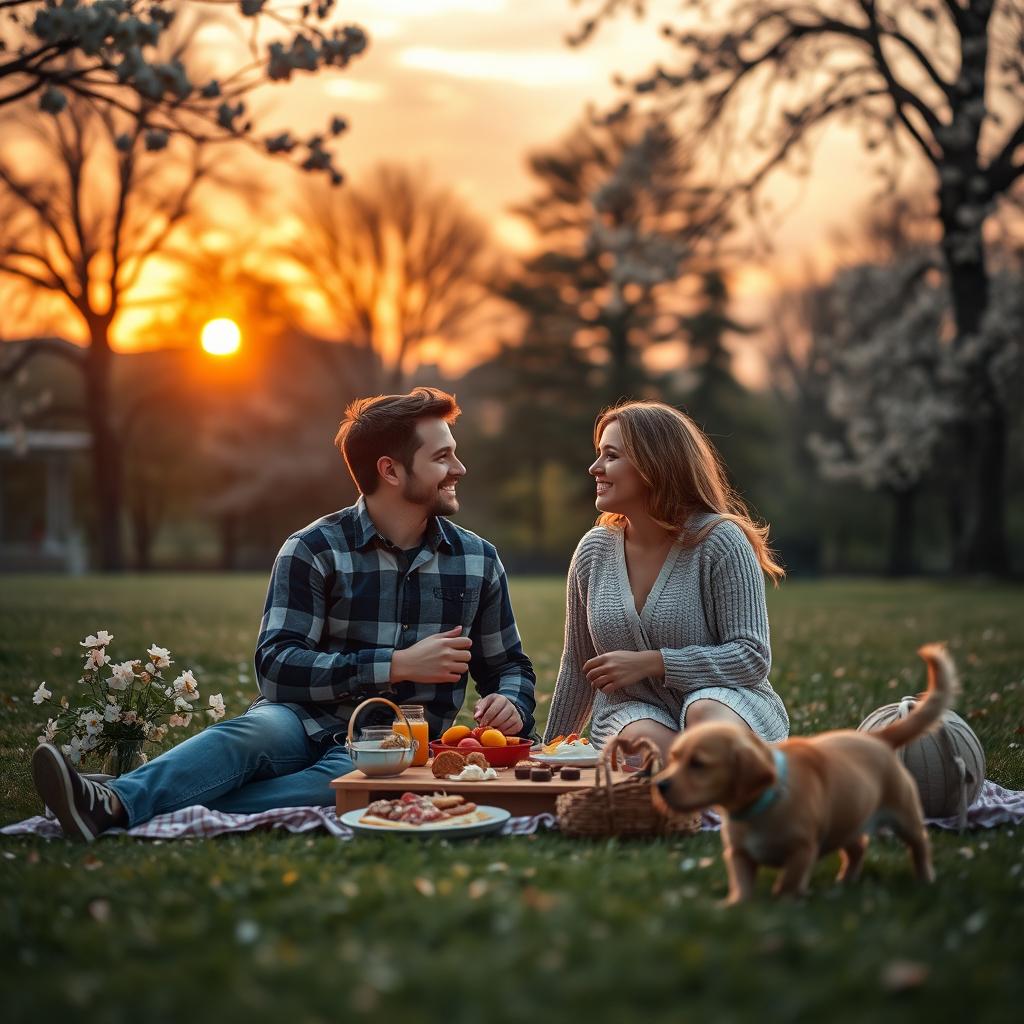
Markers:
<point>430,497</point>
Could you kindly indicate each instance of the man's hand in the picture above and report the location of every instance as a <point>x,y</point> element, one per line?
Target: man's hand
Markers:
<point>619,669</point>
<point>497,712</point>
<point>441,658</point>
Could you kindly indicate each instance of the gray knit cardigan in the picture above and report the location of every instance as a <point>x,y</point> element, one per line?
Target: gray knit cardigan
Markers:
<point>706,614</point>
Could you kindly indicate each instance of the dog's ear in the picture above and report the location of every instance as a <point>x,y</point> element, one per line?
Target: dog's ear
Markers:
<point>753,770</point>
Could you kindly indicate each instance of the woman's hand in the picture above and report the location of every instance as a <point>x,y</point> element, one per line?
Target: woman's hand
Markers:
<point>619,669</point>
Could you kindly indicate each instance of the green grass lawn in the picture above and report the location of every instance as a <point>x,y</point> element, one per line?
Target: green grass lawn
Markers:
<point>312,929</point>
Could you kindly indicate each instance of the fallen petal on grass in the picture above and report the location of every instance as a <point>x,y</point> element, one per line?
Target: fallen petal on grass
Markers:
<point>901,975</point>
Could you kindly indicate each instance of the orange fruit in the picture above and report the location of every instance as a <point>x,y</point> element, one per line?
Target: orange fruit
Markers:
<point>493,738</point>
<point>454,734</point>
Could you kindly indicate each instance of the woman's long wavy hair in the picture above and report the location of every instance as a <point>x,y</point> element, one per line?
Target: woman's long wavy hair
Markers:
<point>684,475</point>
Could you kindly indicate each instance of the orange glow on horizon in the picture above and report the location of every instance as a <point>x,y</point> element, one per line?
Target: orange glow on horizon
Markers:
<point>221,337</point>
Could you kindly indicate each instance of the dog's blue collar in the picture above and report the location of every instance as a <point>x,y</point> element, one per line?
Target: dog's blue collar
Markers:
<point>771,794</point>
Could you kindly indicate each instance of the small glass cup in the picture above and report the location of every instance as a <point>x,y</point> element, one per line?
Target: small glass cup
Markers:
<point>374,733</point>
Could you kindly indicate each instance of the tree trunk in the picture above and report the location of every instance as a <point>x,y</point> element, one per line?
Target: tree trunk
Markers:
<point>228,541</point>
<point>620,370</point>
<point>536,505</point>
<point>142,534</point>
<point>978,487</point>
<point>106,449</point>
<point>901,537</point>
<point>983,547</point>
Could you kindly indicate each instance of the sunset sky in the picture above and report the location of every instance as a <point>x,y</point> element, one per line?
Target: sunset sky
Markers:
<point>467,88</point>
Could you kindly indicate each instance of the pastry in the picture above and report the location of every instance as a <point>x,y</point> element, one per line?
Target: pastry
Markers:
<point>480,760</point>
<point>448,762</point>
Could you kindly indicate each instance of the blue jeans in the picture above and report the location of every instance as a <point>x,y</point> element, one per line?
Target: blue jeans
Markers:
<point>259,760</point>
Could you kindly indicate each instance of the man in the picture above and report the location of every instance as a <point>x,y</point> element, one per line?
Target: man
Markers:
<point>384,598</point>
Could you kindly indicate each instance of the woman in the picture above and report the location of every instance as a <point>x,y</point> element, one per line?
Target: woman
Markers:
<point>666,625</point>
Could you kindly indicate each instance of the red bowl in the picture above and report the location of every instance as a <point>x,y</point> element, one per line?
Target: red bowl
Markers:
<point>499,757</point>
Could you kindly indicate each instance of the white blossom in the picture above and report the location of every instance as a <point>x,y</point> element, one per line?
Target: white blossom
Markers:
<point>41,694</point>
<point>216,706</point>
<point>49,732</point>
<point>160,655</point>
<point>186,684</point>
<point>112,712</point>
<point>122,676</point>
<point>96,658</point>
<point>886,390</point>
<point>92,720</point>
<point>101,639</point>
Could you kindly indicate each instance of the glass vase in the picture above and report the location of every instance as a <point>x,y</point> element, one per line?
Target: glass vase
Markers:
<point>123,758</point>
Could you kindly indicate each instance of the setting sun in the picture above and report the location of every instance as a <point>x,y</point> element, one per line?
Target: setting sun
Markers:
<point>221,337</point>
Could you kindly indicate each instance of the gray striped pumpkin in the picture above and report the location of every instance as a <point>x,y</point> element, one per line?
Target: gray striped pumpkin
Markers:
<point>948,764</point>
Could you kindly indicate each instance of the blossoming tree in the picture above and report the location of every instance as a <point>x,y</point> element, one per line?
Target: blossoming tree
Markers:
<point>110,52</point>
<point>940,80</point>
<point>889,389</point>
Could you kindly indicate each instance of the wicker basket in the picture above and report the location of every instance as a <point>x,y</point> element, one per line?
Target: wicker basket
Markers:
<point>624,808</point>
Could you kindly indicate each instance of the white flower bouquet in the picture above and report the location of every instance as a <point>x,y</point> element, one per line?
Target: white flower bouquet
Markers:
<point>126,706</point>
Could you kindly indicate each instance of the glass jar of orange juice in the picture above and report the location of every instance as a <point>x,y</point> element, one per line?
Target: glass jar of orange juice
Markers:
<point>420,731</point>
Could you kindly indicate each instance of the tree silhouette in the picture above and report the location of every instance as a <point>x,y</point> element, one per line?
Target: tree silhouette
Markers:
<point>399,262</point>
<point>944,78</point>
<point>79,220</point>
<point>620,219</point>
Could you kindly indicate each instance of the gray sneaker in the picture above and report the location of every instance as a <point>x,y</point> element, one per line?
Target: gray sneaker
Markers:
<point>83,808</point>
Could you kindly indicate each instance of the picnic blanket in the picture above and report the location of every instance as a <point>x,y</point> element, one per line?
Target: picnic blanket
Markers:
<point>994,806</point>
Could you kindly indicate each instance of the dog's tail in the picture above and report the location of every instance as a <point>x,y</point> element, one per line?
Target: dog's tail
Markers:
<point>943,687</point>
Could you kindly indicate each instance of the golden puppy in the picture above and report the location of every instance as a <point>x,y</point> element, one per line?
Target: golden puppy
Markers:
<point>788,804</point>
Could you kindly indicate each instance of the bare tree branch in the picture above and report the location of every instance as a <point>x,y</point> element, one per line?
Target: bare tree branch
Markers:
<point>398,260</point>
<point>1002,172</point>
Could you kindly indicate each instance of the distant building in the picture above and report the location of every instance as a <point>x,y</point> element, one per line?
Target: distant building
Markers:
<point>38,529</point>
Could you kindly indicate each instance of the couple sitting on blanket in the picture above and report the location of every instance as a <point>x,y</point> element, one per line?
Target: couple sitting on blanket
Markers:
<point>665,619</point>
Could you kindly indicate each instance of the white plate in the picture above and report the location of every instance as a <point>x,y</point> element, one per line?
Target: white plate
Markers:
<point>496,817</point>
<point>576,759</point>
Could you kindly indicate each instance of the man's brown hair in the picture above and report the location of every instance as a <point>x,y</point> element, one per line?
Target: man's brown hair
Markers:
<point>386,425</point>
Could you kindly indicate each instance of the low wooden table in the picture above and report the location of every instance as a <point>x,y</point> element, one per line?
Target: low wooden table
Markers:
<point>519,796</point>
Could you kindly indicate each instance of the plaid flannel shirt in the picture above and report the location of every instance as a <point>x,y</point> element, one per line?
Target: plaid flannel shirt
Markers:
<point>341,602</point>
